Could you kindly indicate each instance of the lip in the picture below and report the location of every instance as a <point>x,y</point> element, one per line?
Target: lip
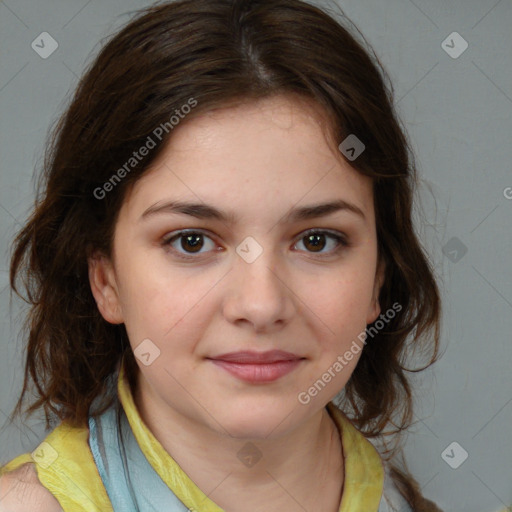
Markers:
<point>251,357</point>
<point>258,367</point>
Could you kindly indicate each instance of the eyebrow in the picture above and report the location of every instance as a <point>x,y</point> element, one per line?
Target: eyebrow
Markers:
<point>206,211</point>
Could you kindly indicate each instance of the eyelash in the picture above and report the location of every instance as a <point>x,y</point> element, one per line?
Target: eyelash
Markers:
<point>338,237</point>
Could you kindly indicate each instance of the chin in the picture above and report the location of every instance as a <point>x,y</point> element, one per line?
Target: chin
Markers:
<point>256,422</point>
<point>254,432</point>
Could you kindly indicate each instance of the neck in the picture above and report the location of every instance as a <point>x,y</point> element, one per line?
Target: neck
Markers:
<point>300,466</point>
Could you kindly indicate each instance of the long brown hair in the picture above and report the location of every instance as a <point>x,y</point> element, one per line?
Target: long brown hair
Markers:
<point>213,52</point>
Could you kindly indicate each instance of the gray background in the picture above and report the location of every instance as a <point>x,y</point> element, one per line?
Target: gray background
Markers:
<point>458,115</point>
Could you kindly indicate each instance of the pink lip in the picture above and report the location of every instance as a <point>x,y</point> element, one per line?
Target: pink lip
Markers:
<point>258,366</point>
<point>248,356</point>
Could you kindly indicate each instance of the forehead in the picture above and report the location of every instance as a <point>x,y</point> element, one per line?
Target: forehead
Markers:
<point>254,153</point>
<point>285,116</point>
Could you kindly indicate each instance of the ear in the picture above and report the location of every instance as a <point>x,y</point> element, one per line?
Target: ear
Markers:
<point>102,279</point>
<point>374,310</point>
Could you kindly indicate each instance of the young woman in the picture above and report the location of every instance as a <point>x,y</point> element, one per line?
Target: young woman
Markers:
<point>224,276</point>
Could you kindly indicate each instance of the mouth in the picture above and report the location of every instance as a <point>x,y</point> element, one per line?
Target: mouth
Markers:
<point>258,367</point>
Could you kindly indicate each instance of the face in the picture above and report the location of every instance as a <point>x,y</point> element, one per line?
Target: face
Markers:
<point>256,270</point>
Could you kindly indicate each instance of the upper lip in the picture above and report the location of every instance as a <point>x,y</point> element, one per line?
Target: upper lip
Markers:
<point>248,356</point>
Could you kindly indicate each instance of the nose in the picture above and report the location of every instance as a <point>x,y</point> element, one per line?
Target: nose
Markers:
<point>259,294</point>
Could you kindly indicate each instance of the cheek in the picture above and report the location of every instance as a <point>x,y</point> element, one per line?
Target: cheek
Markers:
<point>329,376</point>
<point>340,303</point>
<point>172,311</point>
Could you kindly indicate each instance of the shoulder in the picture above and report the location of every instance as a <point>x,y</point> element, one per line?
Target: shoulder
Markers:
<point>21,491</point>
<point>62,467</point>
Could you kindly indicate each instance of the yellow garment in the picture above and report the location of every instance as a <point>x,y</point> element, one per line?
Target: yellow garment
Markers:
<point>72,477</point>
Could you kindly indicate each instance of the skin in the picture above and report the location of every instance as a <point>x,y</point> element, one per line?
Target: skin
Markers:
<point>258,160</point>
<point>21,490</point>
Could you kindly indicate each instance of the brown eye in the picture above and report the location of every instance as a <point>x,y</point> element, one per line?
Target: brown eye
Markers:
<point>187,242</point>
<point>194,242</point>
<point>315,241</point>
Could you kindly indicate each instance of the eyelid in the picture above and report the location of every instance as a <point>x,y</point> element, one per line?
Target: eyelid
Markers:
<point>332,232</point>
<point>186,231</point>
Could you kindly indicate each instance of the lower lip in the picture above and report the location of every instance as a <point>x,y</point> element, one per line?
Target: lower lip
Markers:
<point>259,372</point>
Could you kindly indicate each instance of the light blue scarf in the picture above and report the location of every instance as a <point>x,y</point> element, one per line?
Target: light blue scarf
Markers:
<point>131,483</point>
